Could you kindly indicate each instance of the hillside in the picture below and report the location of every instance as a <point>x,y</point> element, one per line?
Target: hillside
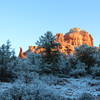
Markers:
<point>52,70</point>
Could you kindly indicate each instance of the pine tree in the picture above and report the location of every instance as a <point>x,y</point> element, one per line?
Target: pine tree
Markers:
<point>50,55</point>
<point>6,57</point>
<point>6,54</point>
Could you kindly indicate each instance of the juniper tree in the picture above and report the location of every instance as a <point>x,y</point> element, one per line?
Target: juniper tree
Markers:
<point>50,54</point>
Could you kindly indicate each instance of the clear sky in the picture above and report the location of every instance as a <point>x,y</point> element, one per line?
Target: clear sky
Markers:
<point>23,21</point>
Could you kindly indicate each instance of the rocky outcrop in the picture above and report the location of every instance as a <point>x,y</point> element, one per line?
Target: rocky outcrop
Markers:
<point>74,38</point>
<point>69,41</point>
<point>33,49</point>
<point>22,54</point>
<point>77,37</point>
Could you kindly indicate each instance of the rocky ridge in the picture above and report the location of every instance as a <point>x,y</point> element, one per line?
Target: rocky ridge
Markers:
<point>69,41</point>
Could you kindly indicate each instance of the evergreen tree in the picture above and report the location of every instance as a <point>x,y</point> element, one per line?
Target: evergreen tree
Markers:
<point>7,56</point>
<point>50,55</point>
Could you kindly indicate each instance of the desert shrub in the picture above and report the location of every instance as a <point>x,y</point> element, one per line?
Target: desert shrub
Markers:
<point>85,54</point>
<point>72,61</point>
<point>17,92</point>
<point>49,79</point>
<point>25,70</point>
<point>95,70</point>
<point>36,91</point>
<point>86,96</point>
<point>78,70</point>
<point>63,65</point>
<point>31,57</point>
<point>97,57</point>
<point>75,67</point>
<point>34,58</point>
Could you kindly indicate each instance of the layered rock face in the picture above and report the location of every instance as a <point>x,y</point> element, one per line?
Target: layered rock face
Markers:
<point>74,38</point>
<point>69,41</point>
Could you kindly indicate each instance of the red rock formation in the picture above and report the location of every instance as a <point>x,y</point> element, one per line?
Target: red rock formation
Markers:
<point>78,37</point>
<point>74,38</point>
<point>69,41</point>
<point>22,54</point>
<point>35,49</point>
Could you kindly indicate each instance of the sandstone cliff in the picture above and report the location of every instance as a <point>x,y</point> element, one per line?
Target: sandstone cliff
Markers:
<point>74,38</point>
<point>70,40</point>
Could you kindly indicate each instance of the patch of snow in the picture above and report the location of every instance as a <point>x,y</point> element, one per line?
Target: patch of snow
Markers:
<point>63,87</point>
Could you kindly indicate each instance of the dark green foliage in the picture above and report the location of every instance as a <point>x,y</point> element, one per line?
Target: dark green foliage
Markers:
<point>7,56</point>
<point>72,61</point>
<point>97,57</point>
<point>31,57</point>
<point>95,70</point>
<point>86,54</point>
<point>6,75</point>
<point>75,66</point>
<point>50,55</point>
<point>78,70</point>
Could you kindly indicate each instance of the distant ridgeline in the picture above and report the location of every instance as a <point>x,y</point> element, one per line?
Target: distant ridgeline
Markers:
<point>69,41</point>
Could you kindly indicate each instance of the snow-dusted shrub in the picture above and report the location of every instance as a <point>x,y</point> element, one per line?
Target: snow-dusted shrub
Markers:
<point>74,67</point>
<point>36,91</point>
<point>63,64</point>
<point>86,96</point>
<point>31,57</point>
<point>18,92</point>
<point>85,54</point>
<point>28,77</point>
<point>97,57</point>
<point>25,71</point>
<point>78,69</point>
<point>49,79</point>
<point>72,61</point>
<point>95,70</point>
<point>34,58</point>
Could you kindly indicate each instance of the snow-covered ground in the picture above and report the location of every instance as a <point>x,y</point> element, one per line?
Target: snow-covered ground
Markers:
<point>63,87</point>
<point>72,87</point>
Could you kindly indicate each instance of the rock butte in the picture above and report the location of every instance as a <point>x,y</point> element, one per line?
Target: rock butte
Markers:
<point>69,41</point>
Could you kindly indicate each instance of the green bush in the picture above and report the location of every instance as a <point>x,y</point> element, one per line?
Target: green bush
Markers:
<point>78,70</point>
<point>86,54</point>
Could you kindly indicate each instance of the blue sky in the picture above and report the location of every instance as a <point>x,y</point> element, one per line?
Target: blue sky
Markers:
<point>24,21</point>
